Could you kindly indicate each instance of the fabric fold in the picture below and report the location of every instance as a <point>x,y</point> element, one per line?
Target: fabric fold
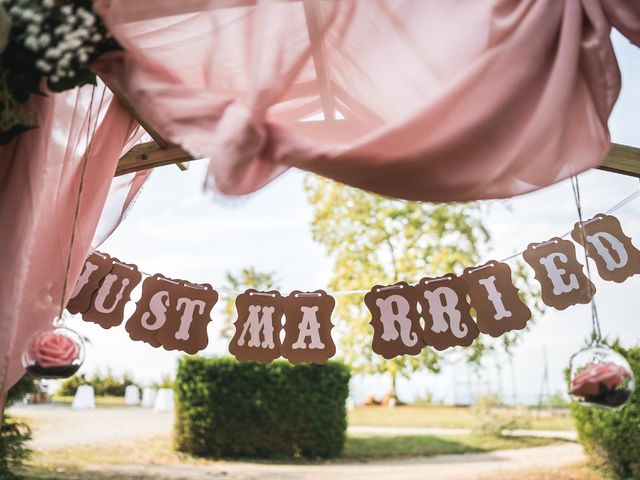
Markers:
<point>40,174</point>
<point>386,96</point>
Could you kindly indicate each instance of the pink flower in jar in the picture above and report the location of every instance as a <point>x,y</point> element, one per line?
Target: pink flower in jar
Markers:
<point>588,382</point>
<point>51,349</point>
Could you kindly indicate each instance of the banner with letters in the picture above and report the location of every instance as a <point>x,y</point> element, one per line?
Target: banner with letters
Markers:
<point>435,312</point>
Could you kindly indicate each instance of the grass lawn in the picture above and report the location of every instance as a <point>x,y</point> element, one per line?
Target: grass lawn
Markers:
<point>445,416</point>
<point>362,448</point>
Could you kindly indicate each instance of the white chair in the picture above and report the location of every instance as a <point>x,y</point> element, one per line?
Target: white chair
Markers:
<point>351,405</point>
<point>148,397</point>
<point>132,395</point>
<point>164,400</point>
<point>84,398</point>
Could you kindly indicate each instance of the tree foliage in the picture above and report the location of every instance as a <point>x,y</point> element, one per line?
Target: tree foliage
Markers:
<point>378,240</point>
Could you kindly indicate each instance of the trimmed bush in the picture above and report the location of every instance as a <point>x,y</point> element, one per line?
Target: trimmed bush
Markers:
<point>611,438</point>
<point>225,408</point>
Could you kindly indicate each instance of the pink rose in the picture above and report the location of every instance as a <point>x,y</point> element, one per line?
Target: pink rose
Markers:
<point>587,383</point>
<point>52,349</point>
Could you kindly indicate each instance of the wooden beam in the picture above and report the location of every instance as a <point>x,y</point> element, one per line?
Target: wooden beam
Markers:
<point>153,133</point>
<point>151,155</point>
<point>621,159</point>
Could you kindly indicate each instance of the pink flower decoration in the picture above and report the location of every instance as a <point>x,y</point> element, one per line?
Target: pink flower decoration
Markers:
<point>52,349</point>
<point>587,383</point>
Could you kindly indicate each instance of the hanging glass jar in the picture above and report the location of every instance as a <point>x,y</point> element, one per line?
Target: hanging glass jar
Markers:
<point>54,353</point>
<point>601,377</point>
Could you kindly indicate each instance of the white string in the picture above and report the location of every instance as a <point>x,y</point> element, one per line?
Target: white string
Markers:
<point>597,333</point>
<point>341,293</point>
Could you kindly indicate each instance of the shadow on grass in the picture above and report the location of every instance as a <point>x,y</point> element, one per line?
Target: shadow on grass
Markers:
<point>369,448</point>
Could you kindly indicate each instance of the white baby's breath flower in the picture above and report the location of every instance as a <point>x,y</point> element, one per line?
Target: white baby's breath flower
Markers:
<point>54,78</point>
<point>96,37</point>
<point>33,29</point>
<point>26,15</point>
<point>31,43</point>
<point>62,29</point>
<point>52,53</point>
<point>82,33</point>
<point>66,10</point>
<point>44,40</point>
<point>43,66</point>
<point>83,57</point>
<point>65,61</point>
<point>73,43</point>
<point>89,20</point>
<point>47,3</point>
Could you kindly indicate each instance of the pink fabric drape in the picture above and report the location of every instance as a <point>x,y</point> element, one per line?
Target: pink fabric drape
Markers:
<point>39,179</point>
<point>420,99</point>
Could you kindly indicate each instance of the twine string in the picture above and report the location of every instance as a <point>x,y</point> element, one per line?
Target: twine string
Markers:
<point>341,293</point>
<point>597,332</point>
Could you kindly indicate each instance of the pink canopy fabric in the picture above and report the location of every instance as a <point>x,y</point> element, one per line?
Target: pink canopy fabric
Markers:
<point>425,99</point>
<point>40,174</point>
<point>439,100</point>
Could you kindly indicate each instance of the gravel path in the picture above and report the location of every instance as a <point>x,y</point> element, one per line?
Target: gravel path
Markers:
<point>444,467</point>
<point>61,427</point>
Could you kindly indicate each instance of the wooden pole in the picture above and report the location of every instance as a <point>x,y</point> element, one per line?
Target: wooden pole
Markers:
<point>621,159</point>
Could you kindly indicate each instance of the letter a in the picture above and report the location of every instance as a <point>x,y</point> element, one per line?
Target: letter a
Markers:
<point>309,328</point>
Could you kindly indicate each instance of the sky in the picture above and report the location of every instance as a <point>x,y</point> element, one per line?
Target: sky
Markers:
<point>183,232</point>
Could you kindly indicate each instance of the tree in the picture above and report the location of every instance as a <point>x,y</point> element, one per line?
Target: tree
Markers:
<point>377,240</point>
<point>244,279</point>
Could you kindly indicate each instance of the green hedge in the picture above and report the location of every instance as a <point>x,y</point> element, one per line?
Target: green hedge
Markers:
<point>611,438</point>
<point>225,408</point>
